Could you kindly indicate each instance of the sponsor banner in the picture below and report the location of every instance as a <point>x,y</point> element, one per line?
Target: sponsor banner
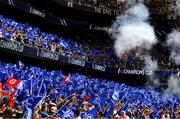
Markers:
<point>49,54</point>
<point>11,45</point>
<point>30,51</point>
<point>37,12</point>
<point>78,62</point>
<point>97,28</point>
<point>135,72</point>
<point>107,11</point>
<point>89,9</point>
<point>99,67</point>
<point>63,59</point>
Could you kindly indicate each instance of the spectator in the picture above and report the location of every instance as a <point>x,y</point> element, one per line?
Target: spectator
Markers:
<point>123,115</point>
<point>77,114</point>
<point>44,111</point>
<point>86,97</point>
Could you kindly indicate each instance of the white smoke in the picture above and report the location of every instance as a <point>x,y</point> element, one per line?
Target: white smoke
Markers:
<point>178,6</point>
<point>131,2</point>
<point>174,84</point>
<point>173,42</point>
<point>132,30</point>
<point>150,65</point>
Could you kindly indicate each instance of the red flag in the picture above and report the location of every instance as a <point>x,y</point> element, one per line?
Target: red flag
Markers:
<point>11,102</point>
<point>3,108</point>
<point>12,82</point>
<point>0,86</point>
<point>12,94</point>
<point>66,79</point>
<point>4,92</point>
<point>86,98</point>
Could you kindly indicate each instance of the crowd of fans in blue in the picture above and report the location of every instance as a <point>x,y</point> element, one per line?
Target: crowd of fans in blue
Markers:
<point>99,55</point>
<point>52,94</point>
<point>38,93</point>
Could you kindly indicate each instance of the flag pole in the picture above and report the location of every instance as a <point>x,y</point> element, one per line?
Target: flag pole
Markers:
<point>64,105</point>
<point>40,86</point>
<point>31,87</point>
<point>66,102</point>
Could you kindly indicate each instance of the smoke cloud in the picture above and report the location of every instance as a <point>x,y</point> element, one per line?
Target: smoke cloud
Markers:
<point>178,6</point>
<point>174,84</point>
<point>132,30</point>
<point>131,2</point>
<point>173,42</point>
<point>150,65</point>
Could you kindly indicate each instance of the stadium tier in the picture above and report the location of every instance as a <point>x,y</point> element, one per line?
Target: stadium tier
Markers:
<point>89,59</point>
<point>160,7</point>
<point>32,92</point>
<point>99,55</point>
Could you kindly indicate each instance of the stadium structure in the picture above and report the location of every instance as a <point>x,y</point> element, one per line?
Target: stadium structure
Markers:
<point>90,59</point>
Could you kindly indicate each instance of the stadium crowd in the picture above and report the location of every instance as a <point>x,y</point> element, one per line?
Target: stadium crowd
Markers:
<point>99,55</point>
<point>161,7</point>
<point>32,92</point>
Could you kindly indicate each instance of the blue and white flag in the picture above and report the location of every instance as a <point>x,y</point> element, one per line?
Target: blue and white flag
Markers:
<point>67,112</point>
<point>27,113</point>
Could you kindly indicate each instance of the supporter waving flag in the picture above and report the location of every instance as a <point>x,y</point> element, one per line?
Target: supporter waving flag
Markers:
<point>30,104</point>
<point>12,82</point>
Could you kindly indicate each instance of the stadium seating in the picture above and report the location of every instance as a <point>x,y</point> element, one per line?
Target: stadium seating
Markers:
<point>34,91</point>
<point>104,56</point>
<point>161,7</point>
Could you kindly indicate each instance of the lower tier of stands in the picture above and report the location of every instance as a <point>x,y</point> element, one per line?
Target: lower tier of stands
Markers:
<point>33,92</point>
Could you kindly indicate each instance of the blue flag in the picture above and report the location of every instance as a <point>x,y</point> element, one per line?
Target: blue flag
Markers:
<point>67,112</point>
<point>27,113</point>
<point>89,114</point>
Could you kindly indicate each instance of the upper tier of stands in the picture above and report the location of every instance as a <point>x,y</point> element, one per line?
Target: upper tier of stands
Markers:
<point>99,55</point>
<point>162,7</point>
